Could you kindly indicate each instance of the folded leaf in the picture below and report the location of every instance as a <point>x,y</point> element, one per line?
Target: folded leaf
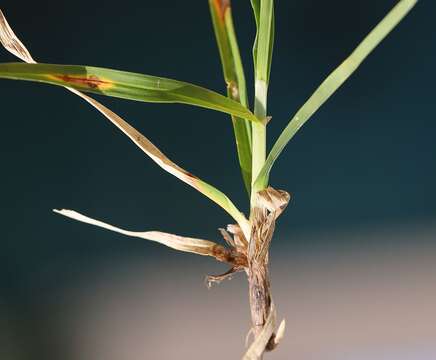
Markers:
<point>125,85</point>
<point>11,42</point>
<point>333,82</point>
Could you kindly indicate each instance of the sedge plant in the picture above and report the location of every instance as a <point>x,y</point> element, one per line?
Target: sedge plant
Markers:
<point>248,239</point>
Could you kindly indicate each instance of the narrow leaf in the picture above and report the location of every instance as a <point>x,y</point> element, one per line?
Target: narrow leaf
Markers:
<point>255,4</point>
<point>11,42</point>
<point>235,80</point>
<point>126,85</point>
<point>176,242</point>
<point>265,40</point>
<point>333,82</point>
<point>265,24</point>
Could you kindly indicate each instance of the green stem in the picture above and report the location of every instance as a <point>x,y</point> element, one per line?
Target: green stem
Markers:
<point>259,133</point>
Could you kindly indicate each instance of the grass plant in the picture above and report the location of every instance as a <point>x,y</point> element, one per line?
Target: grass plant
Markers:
<point>248,239</point>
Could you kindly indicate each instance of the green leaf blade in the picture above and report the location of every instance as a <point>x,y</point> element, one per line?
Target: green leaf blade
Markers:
<point>125,85</point>
<point>255,4</point>
<point>333,82</point>
<point>234,76</point>
<point>264,41</point>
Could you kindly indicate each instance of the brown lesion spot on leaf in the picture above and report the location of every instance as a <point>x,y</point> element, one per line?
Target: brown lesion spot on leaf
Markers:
<point>221,7</point>
<point>87,81</point>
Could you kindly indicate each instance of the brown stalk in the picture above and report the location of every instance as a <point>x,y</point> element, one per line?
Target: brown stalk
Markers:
<point>270,203</point>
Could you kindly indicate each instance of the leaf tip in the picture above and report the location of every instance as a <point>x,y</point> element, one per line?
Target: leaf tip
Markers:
<point>221,7</point>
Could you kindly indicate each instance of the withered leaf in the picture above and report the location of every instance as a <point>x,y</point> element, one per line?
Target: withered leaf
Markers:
<point>181,243</point>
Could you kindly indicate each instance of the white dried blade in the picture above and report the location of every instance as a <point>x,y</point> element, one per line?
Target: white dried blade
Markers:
<point>13,44</point>
<point>280,333</point>
<point>181,243</point>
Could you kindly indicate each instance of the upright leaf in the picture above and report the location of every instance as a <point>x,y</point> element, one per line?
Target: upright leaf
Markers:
<point>235,80</point>
<point>269,38</point>
<point>333,82</point>
<point>265,40</point>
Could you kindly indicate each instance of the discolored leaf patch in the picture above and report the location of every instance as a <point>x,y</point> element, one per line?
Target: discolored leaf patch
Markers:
<point>90,81</point>
<point>221,7</point>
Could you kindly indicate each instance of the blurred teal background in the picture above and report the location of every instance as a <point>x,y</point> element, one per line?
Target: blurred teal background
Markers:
<point>354,254</point>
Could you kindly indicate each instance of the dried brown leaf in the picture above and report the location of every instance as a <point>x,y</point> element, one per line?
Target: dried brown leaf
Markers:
<point>270,203</point>
<point>181,243</point>
<point>275,201</point>
<point>216,279</point>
